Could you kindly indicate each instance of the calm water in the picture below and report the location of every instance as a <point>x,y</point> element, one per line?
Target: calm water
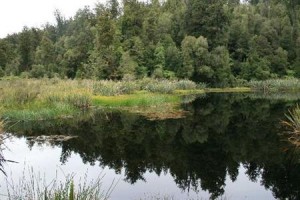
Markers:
<point>228,146</point>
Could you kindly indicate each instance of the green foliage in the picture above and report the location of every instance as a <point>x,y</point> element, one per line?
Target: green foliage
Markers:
<point>207,18</point>
<point>128,66</point>
<point>221,64</point>
<point>216,42</point>
<point>38,71</point>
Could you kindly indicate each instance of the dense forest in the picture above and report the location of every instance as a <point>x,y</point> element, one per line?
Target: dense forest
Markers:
<point>219,42</point>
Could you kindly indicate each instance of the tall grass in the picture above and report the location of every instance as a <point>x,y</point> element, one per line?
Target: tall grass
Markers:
<point>167,86</point>
<point>276,85</point>
<point>47,112</point>
<point>286,96</point>
<point>78,99</point>
<point>19,91</point>
<point>28,90</point>
<point>112,88</point>
<point>35,186</point>
<point>38,99</point>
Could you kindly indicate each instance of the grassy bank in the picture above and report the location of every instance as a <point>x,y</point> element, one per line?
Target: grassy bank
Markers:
<point>42,99</point>
<point>32,99</point>
<point>276,85</point>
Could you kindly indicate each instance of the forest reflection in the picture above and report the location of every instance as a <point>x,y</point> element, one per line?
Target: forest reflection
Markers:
<point>220,133</point>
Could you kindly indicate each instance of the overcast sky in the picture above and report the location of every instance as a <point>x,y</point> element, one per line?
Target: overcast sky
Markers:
<point>14,14</point>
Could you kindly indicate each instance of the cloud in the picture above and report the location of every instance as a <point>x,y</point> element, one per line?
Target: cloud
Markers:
<point>15,14</point>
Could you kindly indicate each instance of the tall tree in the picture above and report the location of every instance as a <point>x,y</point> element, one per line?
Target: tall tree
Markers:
<point>29,39</point>
<point>209,19</point>
<point>104,57</point>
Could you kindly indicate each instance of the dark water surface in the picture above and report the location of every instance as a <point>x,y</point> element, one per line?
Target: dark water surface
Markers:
<point>228,146</point>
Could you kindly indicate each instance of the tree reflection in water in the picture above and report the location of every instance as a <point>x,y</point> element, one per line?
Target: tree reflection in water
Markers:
<point>222,132</point>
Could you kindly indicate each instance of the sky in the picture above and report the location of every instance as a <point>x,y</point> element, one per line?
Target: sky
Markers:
<point>15,14</point>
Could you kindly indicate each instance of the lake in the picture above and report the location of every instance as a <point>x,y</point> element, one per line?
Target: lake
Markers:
<point>227,146</point>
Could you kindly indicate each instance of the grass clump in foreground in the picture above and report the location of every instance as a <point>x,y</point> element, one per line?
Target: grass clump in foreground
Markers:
<point>293,123</point>
<point>35,187</point>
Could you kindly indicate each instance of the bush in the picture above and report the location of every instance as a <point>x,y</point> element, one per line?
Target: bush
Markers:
<point>38,71</point>
<point>185,85</point>
<point>164,86</point>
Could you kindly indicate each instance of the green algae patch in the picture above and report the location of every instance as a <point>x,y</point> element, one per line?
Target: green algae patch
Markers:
<point>132,100</point>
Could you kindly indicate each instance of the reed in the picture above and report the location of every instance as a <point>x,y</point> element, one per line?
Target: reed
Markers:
<point>78,99</point>
<point>36,113</point>
<point>114,88</point>
<point>35,186</point>
<point>276,85</point>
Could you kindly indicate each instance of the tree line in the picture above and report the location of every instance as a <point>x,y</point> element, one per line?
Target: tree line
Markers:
<point>219,42</point>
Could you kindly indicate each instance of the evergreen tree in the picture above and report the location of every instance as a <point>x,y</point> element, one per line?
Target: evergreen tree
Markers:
<point>207,18</point>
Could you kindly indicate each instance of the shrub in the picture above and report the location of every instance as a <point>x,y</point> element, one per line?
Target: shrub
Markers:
<point>38,71</point>
<point>185,85</point>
